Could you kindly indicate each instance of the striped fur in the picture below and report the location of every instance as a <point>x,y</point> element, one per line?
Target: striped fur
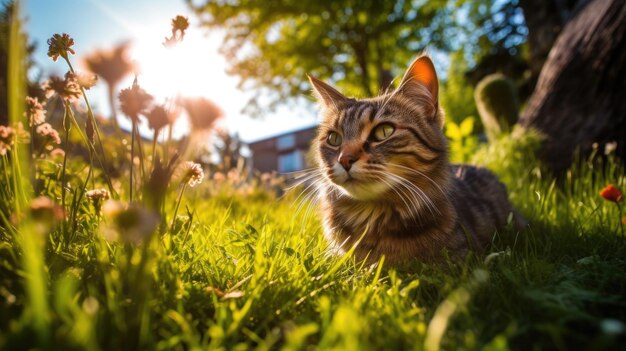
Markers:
<point>401,198</point>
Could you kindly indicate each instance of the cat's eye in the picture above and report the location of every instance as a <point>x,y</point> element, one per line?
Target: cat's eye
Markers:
<point>334,139</point>
<point>383,131</point>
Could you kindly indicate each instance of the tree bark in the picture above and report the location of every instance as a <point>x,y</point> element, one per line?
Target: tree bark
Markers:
<point>580,97</point>
<point>544,23</point>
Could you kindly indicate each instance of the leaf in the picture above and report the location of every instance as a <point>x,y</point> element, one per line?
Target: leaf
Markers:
<point>233,294</point>
<point>467,126</point>
<point>452,131</point>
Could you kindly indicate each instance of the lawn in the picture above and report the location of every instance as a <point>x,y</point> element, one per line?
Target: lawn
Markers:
<point>229,264</point>
<point>245,269</point>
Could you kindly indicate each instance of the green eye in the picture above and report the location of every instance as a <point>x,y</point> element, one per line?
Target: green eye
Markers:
<point>334,139</point>
<point>383,131</point>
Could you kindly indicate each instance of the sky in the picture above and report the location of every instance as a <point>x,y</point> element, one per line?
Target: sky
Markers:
<point>196,69</point>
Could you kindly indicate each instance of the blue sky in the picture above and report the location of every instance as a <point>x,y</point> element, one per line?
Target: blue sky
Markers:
<point>103,23</point>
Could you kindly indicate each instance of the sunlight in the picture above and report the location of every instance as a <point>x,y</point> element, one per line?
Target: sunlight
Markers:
<point>188,69</point>
<point>192,68</point>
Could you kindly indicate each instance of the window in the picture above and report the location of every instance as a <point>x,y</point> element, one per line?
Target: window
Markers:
<point>286,142</point>
<point>292,161</point>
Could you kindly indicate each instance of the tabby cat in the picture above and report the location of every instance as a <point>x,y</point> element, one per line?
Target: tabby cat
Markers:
<point>387,186</point>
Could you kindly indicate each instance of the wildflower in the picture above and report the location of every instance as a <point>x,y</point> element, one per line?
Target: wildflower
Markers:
<point>112,66</point>
<point>42,208</point>
<point>97,197</point>
<point>57,153</point>
<point>202,113</point>
<point>218,177</point>
<point>610,148</point>
<point>159,117</point>
<point>49,134</point>
<point>134,101</point>
<point>612,193</point>
<point>7,139</point>
<point>60,45</point>
<point>129,223</point>
<point>67,88</point>
<point>179,26</point>
<point>192,173</point>
<point>34,111</point>
<point>86,81</point>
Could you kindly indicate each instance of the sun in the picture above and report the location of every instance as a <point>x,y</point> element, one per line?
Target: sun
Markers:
<point>191,68</point>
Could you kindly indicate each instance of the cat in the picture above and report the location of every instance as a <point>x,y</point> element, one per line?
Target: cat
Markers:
<point>387,187</point>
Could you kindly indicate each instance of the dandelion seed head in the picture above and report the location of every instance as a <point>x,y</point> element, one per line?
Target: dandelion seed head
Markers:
<point>192,173</point>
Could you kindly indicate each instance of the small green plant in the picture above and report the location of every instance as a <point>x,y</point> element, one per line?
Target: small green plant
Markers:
<point>463,142</point>
<point>497,103</point>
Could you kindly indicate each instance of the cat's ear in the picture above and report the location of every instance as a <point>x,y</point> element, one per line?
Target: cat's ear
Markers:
<point>422,71</point>
<point>328,96</point>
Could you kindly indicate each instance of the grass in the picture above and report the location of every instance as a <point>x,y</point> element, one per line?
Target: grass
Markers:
<point>243,269</point>
<point>249,273</point>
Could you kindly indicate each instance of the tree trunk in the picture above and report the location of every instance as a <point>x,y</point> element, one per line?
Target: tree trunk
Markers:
<point>544,22</point>
<point>580,97</point>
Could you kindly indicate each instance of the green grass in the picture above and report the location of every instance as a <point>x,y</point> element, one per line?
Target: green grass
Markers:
<point>245,270</point>
<point>250,273</point>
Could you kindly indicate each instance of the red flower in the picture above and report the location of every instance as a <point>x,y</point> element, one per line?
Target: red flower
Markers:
<point>612,193</point>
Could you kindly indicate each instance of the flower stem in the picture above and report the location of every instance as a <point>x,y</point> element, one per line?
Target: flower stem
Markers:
<point>90,115</point>
<point>142,173</point>
<point>621,222</point>
<point>132,159</point>
<point>180,197</point>
<point>154,142</point>
<point>67,126</point>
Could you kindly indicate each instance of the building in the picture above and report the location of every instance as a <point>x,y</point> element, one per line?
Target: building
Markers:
<point>282,153</point>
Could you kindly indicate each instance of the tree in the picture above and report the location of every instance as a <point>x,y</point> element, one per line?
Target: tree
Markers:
<point>580,97</point>
<point>358,44</point>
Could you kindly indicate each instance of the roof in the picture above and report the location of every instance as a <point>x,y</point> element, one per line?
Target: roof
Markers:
<point>283,134</point>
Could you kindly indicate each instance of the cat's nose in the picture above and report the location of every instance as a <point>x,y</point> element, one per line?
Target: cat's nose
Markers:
<point>346,159</point>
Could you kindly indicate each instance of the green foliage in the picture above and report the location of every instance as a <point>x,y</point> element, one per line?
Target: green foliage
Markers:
<point>359,45</point>
<point>457,94</point>
<point>463,142</point>
<point>497,104</point>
